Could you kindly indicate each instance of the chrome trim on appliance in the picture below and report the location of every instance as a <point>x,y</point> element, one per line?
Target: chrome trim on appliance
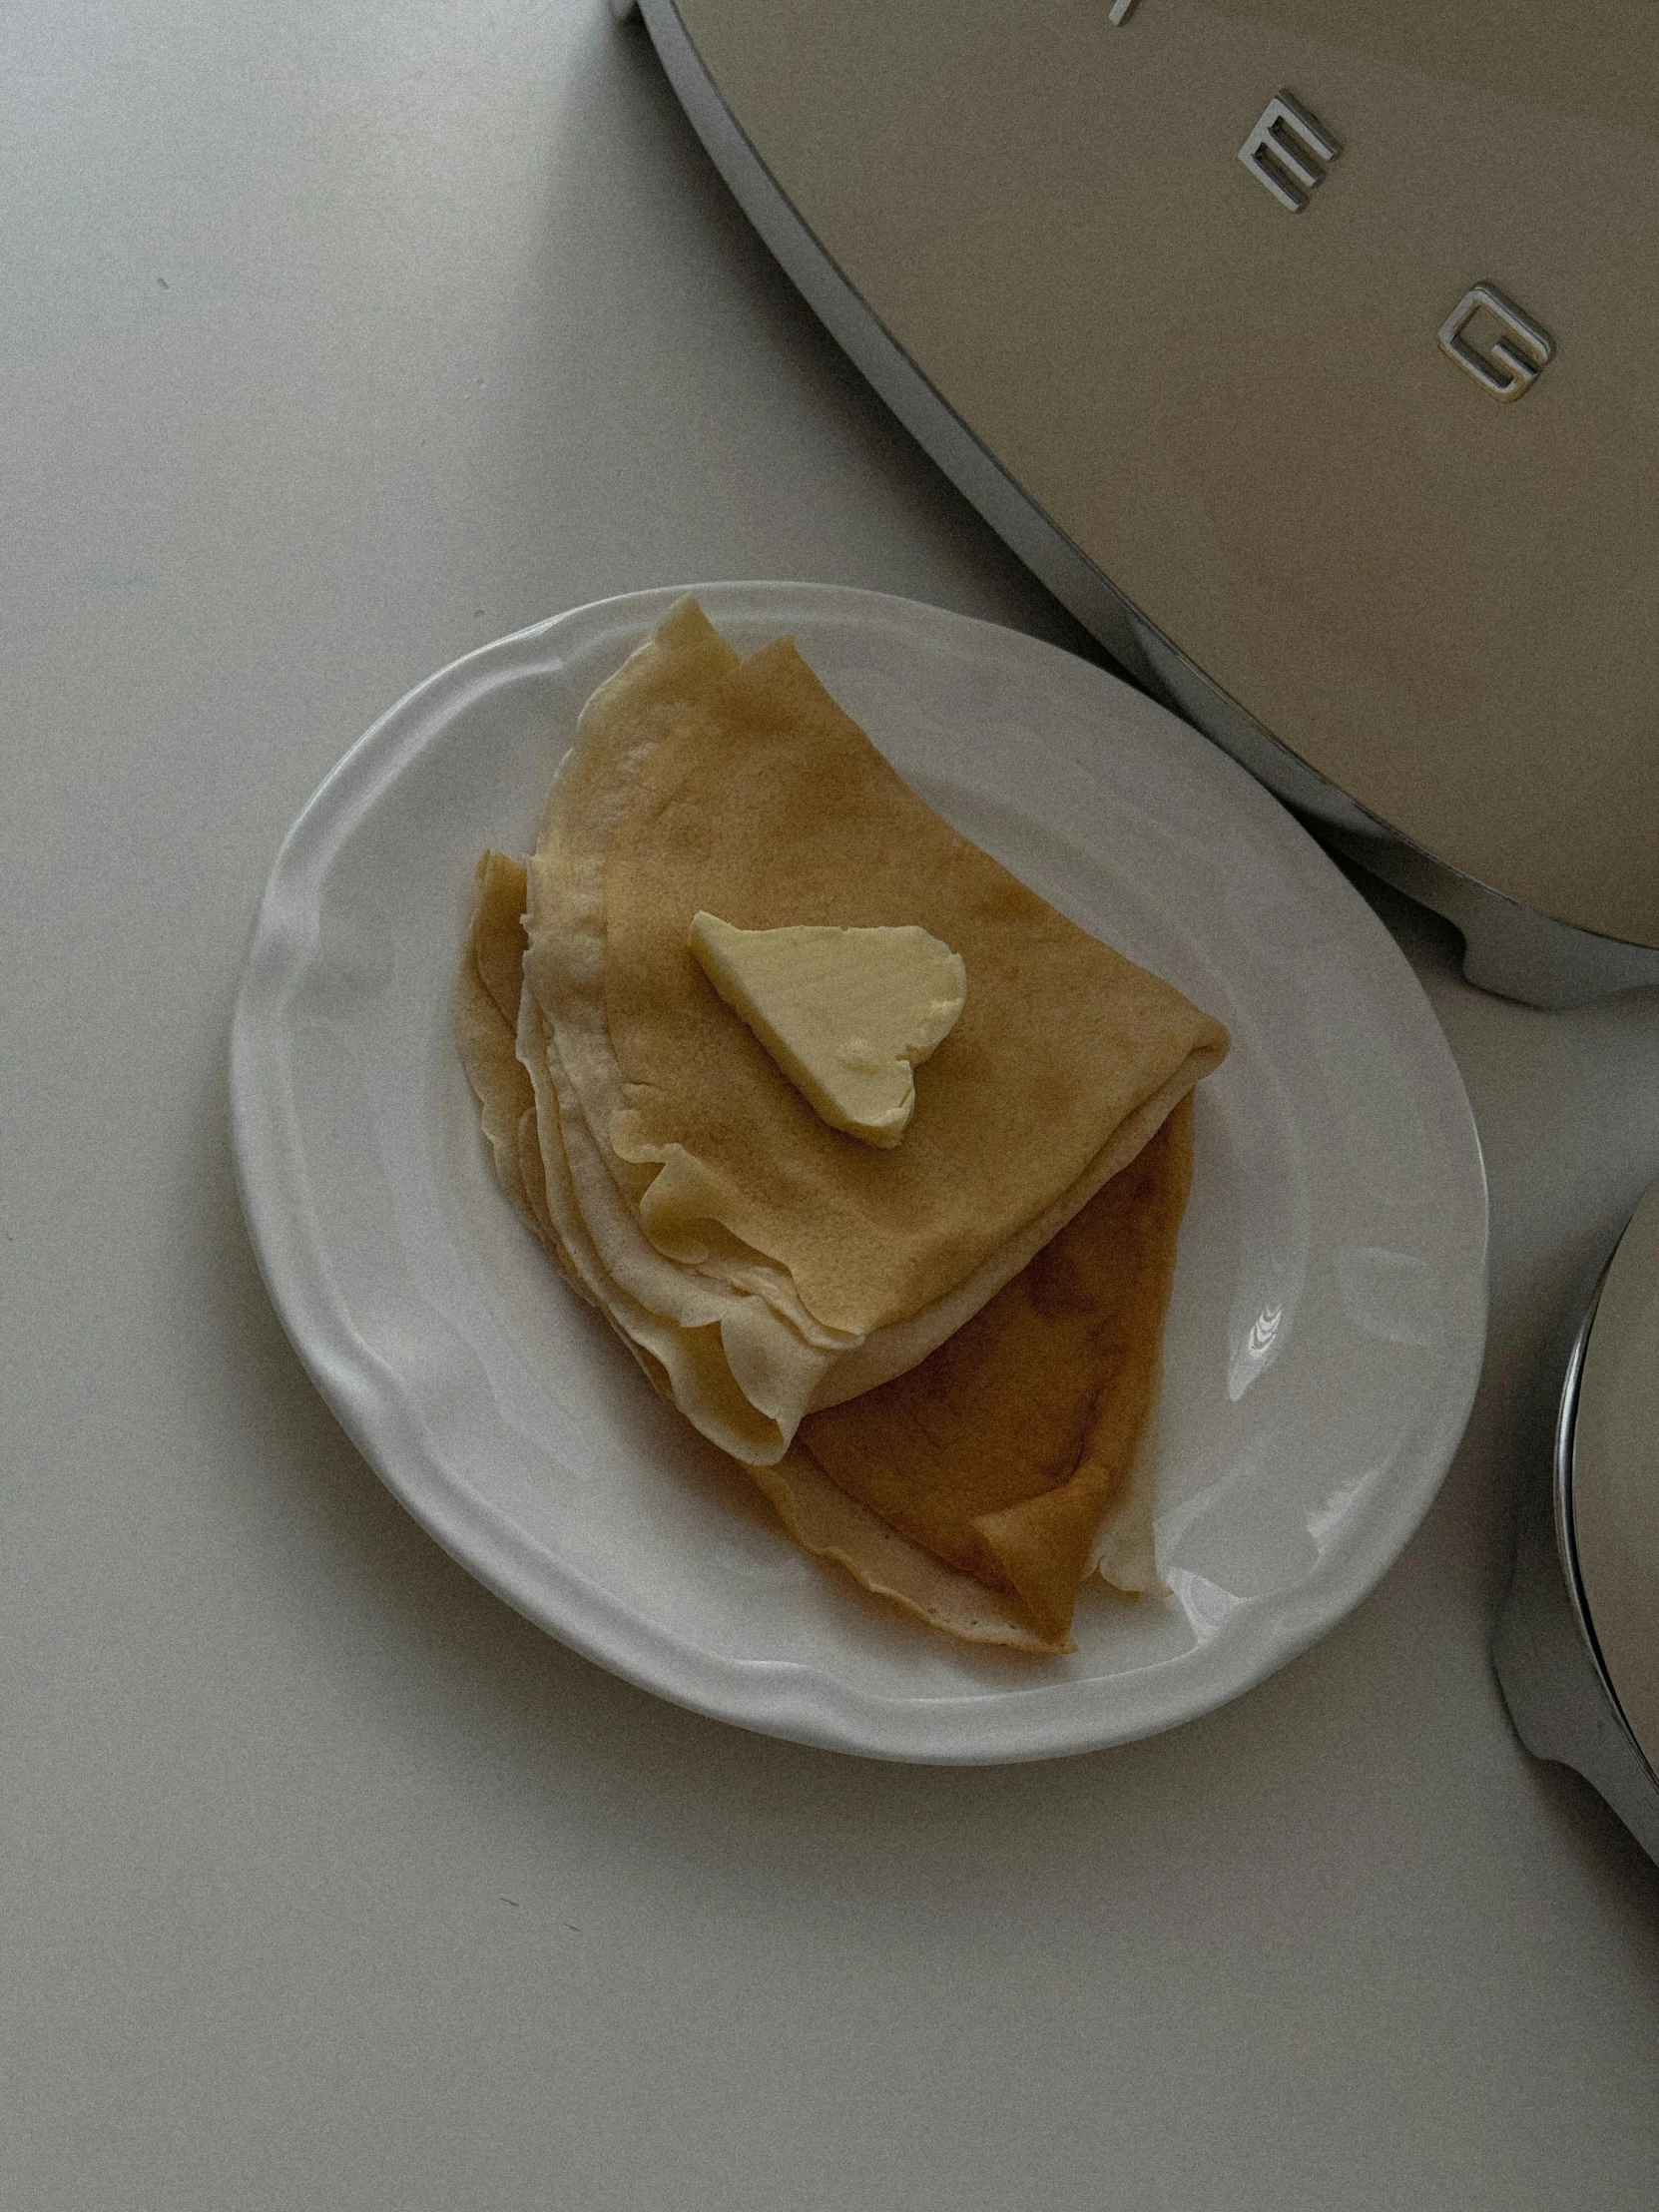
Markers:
<point>1510,948</point>
<point>1549,1666</point>
<point>1514,361</point>
<point>1566,1431</point>
<point>1285,150</point>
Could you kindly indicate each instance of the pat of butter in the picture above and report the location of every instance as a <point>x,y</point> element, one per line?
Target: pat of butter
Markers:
<point>847,1014</point>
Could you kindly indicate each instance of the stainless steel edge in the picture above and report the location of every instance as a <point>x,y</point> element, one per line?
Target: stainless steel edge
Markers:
<point>1561,1466</point>
<point>1510,948</point>
<point>1548,1664</point>
<point>1566,1539</point>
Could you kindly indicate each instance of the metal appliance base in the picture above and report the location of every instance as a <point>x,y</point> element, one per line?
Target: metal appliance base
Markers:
<point>1549,1667</point>
<point>1553,1689</point>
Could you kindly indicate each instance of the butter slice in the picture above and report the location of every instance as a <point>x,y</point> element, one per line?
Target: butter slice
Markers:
<point>847,1014</point>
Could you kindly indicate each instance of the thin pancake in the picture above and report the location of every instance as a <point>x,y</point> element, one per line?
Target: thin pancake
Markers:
<point>762,1265</point>
<point>487,985</point>
<point>826,1522</point>
<point>486,997</point>
<point>766,805</point>
<point>730,1332</point>
<point>730,1288</point>
<point>823,1519</point>
<point>1001,1451</point>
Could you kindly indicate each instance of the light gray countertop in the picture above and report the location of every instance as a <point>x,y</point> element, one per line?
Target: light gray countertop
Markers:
<point>342,335</point>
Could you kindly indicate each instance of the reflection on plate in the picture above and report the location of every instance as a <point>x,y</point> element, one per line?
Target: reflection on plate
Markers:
<point>1330,1302</point>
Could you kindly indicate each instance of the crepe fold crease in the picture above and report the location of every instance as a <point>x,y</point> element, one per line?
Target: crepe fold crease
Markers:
<point>766,1269</point>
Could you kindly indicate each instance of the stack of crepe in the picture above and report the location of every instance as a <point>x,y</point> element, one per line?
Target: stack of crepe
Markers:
<point>939,1361</point>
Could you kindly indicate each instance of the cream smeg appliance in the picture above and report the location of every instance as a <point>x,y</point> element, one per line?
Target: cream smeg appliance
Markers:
<point>1309,353</point>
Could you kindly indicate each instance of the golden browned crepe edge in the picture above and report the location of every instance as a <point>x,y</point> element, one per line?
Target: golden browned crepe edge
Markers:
<point>1057,1533</point>
<point>1040,1548</point>
<point>484,1034</point>
<point>826,1522</point>
<point>619,724</point>
<point>894,1349</point>
<point>833,1527</point>
<point>487,1041</point>
<point>1125,1552</point>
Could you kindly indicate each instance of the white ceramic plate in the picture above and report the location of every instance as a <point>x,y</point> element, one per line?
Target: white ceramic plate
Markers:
<point>1330,1304</point>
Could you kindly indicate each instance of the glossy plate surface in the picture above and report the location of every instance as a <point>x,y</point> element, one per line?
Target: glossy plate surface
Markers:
<point>1329,1316</point>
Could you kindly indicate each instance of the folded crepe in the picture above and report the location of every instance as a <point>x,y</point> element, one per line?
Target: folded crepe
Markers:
<point>769,1264</point>
<point>977,1488</point>
<point>1002,1451</point>
<point>766,1269</point>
